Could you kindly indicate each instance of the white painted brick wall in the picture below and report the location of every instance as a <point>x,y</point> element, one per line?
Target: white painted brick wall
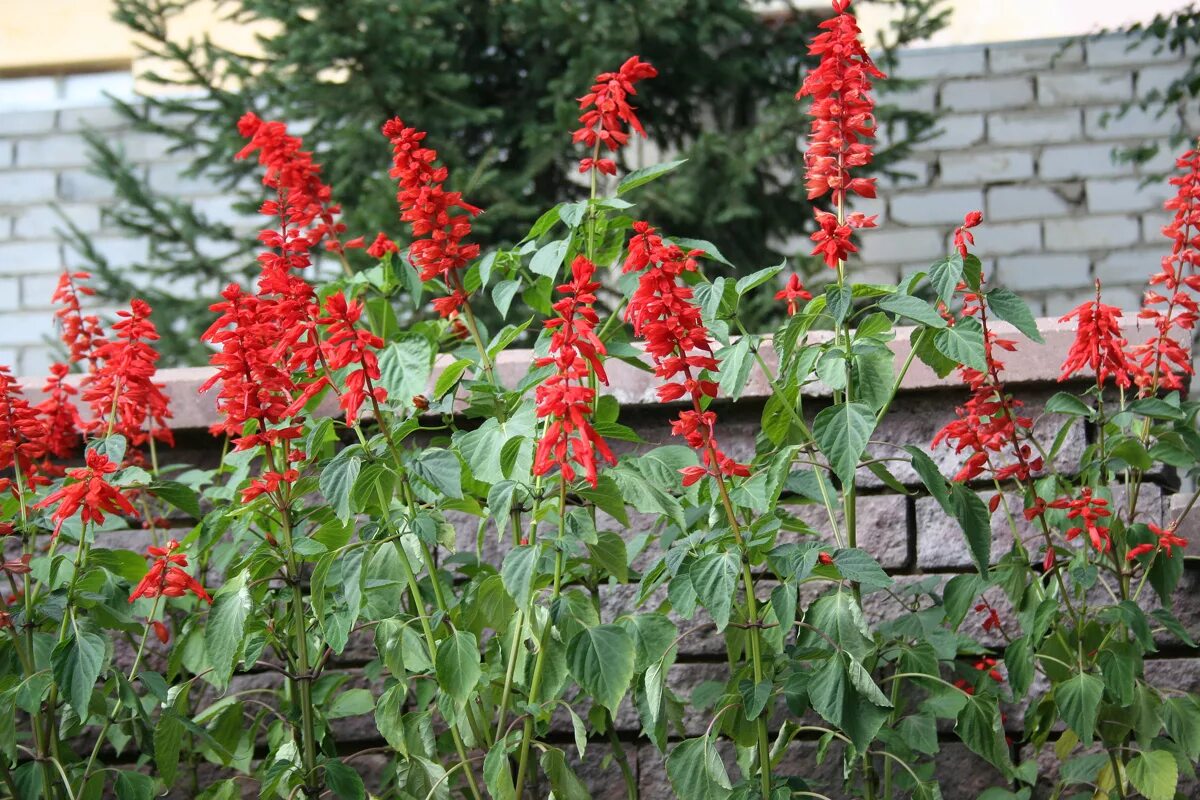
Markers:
<point>1023,136</point>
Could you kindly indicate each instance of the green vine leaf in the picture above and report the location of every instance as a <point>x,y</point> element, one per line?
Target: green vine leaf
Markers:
<point>601,659</point>
<point>842,432</point>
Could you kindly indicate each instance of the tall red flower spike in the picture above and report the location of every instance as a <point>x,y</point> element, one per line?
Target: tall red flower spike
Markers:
<point>1170,305</point>
<point>122,392</point>
<point>1098,344</point>
<point>59,414</point>
<point>81,334</point>
<point>989,426</point>
<point>663,314</point>
<point>606,111</point>
<point>90,492</point>
<point>440,220</point>
<point>167,577</point>
<point>843,115</point>
<point>350,346</point>
<point>1091,511</point>
<point>22,435</point>
<point>565,398</point>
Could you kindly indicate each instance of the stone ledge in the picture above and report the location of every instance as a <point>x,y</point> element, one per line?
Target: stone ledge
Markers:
<point>1033,363</point>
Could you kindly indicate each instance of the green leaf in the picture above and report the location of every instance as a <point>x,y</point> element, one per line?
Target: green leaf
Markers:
<point>978,725</point>
<point>640,177</point>
<point>963,342</point>
<point>404,369</point>
<point>920,732</point>
<point>564,783</point>
<point>714,577</point>
<point>929,473</point>
<point>1181,718</point>
<point>839,300</point>
<point>851,702</point>
<point>842,432</point>
<point>601,659</point>
<point>697,772</point>
<point>610,554</point>
<point>497,774</point>
<point>483,448</point>
<point>1154,773</point>
<point>77,662</point>
<point>708,248</point>
<point>517,572</point>
<point>959,596</point>
<point>838,617</point>
<point>545,222</point>
<point>226,626</point>
<point>344,781</point>
<point>976,524</point>
<point>1078,700</point>
<point>756,279</point>
<point>503,294</point>
<point>1064,403</point>
<point>860,567</point>
<point>1009,307</point>
<point>441,469</point>
<point>1018,658</point>
<point>350,703</point>
<point>735,368</point>
<point>168,738</point>
<point>945,276</point>
<point>548,259</point>
<point>178,495</point>
<point>449,377</point>
<point>914,308</point>
<point>337,481</point>
<point>457,665</point>
<point>134,786</point>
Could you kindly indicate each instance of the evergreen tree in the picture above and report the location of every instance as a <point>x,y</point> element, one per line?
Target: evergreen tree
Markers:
<point>495,84</point>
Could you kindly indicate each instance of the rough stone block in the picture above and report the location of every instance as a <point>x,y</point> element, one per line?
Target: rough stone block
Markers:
<point>1080,88</point>
<point>1006,238</point>
<point>897,246</point>
<point>25,123</point>
<point>1033,56</point>
<point>65,150</point>
<point>26,328</point>
<point>1080,161</point>
<point>955,132</point>
<point>10,295</point>
<point>6,153</point>
<point>1034,127</point>
<point>1119,50</point>
<point>25,187</point>
<point>1092,233</point>
<point>1042,271</point>
<point>1108,122</point>
<point>19,94</point>
<point>20,257</point>
<point>986,166</point>
<point>82,186</point>
<point>96,87</point>
<point>1156,81</point>
<point>98,118</point>
<point>1110,195</point>
<point>940,62</point>
<point>937,207</point>
<point>987,94</point>
<point>882,525</point>
<point>41,222</point>
<point>1031,202</point>
<point>170,177</point>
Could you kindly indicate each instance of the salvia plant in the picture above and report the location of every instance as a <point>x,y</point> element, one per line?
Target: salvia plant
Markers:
<point>389,484</point>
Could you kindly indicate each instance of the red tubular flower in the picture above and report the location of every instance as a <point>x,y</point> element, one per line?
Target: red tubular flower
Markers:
<point>438,229</point>
<point>122,392</point>
<point>1091,511</point>
<point>843,115</point>
<point>167,578</point>
<point>269,482</point>
<point>382,246</point>
<point>1170,305</point>
<point>59,415</point>
<point>81,334</point>
<point>606,111</point>
<point>793,292</point>
<point>833,238</point>
<point>663,314</point>
<point>348,345</point>
<point>963,235</point>
<point>1098,344</point>
<point>90,491</point>
<point>565,398</point>
<point>161,632</point>
<point>1166,540</point>
<point>991,619</point>
<point>22,435</point>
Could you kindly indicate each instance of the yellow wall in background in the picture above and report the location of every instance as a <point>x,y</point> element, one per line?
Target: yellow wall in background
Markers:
<point>60,36</point>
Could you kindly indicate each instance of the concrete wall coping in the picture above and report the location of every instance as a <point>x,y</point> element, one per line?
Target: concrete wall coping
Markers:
<point>1032,363</point>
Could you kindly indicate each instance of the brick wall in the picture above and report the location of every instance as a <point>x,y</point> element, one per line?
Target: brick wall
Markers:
<point>1022,138</point>
<point>909,534</point>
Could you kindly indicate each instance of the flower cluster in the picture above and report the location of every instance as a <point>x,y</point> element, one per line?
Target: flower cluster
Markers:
<point>90,492</point>
<point>438,229</point>
<point>606,111</point>
<point>167,578</point>
<point>663,314</point>
<point>1091,511</point>
<point>963,235</point>
<point>122,392</point>
<point>565,398</point>
<point>348,345</point>
<point>81,334</point>
<point>1167,539</point>
<point>1169,304</point>
<point>59,414</point>
<point>793,292</point>
<point>1098,344</point>
<point>843,113</point>
<point>22,434</point>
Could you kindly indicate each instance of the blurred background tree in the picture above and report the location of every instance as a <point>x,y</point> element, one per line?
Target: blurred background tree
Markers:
<point>494,82</point>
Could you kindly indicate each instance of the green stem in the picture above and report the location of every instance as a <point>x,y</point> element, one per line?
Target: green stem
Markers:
<point>302,683</point>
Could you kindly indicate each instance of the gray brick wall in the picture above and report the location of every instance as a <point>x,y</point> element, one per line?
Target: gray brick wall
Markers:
<point>1022,137</point>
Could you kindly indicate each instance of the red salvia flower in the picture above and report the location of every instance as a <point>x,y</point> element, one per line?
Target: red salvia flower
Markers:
<point>991,619</point>
<point>59,415</point>
<point>122,392</point>
<point>1167,539</point>
<point>161,632</point>
<point>842,109</point>
<point>382,246</point>
<point>793,292</point>
<point>606,112</point>
<point>963,235</point>
<point>90,491</point>
<point>440,220</point>
<point>1098,344</point>
<point>167,576</point>
<point>663,314</point>
<point>348,345</point>
<point>22,436</point>
<point>269,482</point>
<point>81,334</point>
<point>1170,304</point>
<point>1091,511</point>
<point>565,398</point>
<point>833,238</point>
